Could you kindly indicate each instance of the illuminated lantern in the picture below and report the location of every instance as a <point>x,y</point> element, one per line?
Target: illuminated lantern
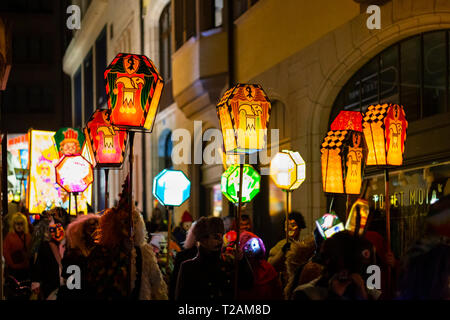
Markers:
<point>357,218</point>
<point>171,187</point>
<point>230,183</point>
<point>74,173</point>
<point>69,141</point>
<point>287,170</point>
<point>244,112</point>
<point>133,87</point>
<point>384,127</point>
<point>347,120</point>
<point>105,142</point>
<point>342,159</point>
<point>328,225</point>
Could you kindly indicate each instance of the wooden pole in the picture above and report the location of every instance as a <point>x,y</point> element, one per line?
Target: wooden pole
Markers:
<point>388,225</point>
<point>106,188</point>
<point>287,215</point>
<point>238,226</point>
<point>169,236</point>
<point>130,216</point>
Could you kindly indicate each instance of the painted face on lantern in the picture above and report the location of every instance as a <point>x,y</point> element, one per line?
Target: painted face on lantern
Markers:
<point>293,230</point>
<point>187,225</point>
<point>56,231</point>
<point>70,147</point>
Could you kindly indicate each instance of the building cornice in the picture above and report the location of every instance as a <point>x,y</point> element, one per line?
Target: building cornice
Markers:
<point>85,37</point>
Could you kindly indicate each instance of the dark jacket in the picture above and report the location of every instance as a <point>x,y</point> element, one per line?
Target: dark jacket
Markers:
<point>179,259</point>
<point>46,270</point>
<point>210,277</point>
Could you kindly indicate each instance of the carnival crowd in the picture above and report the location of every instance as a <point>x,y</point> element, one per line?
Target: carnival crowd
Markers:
<point>40,259</point>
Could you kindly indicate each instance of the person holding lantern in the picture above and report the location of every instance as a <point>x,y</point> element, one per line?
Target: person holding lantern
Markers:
<point>277,255</point>
<point>209,276</point>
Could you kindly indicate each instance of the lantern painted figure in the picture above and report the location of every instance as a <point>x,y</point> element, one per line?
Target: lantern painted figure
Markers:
<point>133,87</point>
<point>105,142</point>
<point>347,120</point>
<point>384,127</point>
<point>69,141</point>
<point>357,218</point>
<point>244,112</point>
<point>230,183</point>
<point>343,157</point>
<point>171,187</point>
<point>287,170</point>
<point>74,173</point>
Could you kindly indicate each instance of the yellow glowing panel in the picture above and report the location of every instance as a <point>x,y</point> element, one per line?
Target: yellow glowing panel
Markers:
<point>42,191</point>
<point>363,207</point>
<point>287,170</point>
<point>331,160</point>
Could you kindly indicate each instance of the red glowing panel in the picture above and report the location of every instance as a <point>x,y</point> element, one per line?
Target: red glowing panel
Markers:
<point>348,120</point>
<point>74,173</point>
<point>133,87</point>
<point>106,143</point>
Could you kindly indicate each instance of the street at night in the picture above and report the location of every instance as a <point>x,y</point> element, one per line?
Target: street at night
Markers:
<point>225,158</point>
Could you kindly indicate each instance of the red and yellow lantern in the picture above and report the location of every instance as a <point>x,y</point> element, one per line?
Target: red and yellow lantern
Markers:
<point>384,128</point>
<point>133,87</point>
<point>244,112</point>
<point>106,143</point>
<point>343,158</point>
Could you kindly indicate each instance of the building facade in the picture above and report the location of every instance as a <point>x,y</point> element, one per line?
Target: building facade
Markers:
<point>313,59</point>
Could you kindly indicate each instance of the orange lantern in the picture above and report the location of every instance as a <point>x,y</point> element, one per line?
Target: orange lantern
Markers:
<point>244,112</point>
<point>357,218</point>
<point>133,87</point>
<point>343,158</point>
<point>105,142</point>
<point>384,128</point>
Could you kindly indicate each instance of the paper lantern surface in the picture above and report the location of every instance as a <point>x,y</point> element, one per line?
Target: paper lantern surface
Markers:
<point>133,88</point>
<point>343,156</point>
<point>244,112</point>
<point>69,141</point>
<point>74,173</point>
<point>106,143</point>
<point>230,183</point>
<point>171,187</point>
<point>328,225</point>
<point>362,206</point>
<point>288,170</point>
<point>384,128</point>
<point>347,120</point>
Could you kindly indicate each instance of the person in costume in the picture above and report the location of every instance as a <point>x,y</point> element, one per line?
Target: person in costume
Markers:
<point>209,276</point>
<point>266,283</point>
<point>277,255</point>
<point>16,248</point>
<point>180,232</point>
<point>80,236</point>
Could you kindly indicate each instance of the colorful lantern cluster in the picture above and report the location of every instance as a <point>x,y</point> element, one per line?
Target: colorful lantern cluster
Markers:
<point>288,170</point>
<point>230,183</point>
<point>106,143</point>
<point>357,218</point>
<point>343,156</point>
<point>74,173</point>
<point>244,112</point>
<point>171,187</point>
<point>328,225</point>
<point>133,87</point>
<point>69,141</point>
<point>384,127</point>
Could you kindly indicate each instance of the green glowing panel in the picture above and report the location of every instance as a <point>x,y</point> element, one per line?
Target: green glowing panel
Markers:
<point>230,183</point>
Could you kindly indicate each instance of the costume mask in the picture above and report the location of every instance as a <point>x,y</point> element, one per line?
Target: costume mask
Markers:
<point>293,228</point>
<point>254,248</point>
<point>56,232</point>
<point>245,225</point>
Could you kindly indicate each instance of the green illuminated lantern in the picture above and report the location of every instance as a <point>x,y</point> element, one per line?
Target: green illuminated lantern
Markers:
<point>230,183</point>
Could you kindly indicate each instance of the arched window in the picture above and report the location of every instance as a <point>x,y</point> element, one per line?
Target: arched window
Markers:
<point>165,146</point>
<point>413,72</point>
<point>165,28</point>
